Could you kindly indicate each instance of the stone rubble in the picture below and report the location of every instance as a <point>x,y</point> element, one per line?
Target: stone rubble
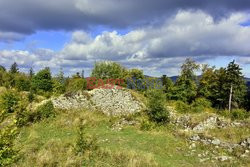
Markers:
<point>110,101</point>
<point>72,101</point>
<point>211,122</point>
<point>115,101</point>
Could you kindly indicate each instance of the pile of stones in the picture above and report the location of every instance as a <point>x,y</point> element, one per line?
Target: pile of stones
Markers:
<point>113,102</point>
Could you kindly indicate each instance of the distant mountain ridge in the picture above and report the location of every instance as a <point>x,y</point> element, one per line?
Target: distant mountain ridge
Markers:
<point>174,79</point>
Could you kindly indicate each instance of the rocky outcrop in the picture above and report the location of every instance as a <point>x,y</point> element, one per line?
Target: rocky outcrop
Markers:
<point>73,101</point>
<point>245,144</point>
<point>209,123</point>
<point>109,101</point>
<point>115,101</point>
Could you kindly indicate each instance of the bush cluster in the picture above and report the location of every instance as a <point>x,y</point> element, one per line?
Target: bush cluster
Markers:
<point>25,117</point>
<point>9,101</point>
<point>235,114</point>
<point>44,111</point>
<point>198,105</point>
<point>8,154</point>
<point>156,107</point>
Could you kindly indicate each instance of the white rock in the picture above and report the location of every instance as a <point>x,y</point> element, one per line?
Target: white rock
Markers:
<point>216,142</point>
<point>223,158</point>
<point>195,138</point>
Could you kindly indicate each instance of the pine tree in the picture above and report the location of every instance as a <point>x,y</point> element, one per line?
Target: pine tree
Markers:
<point>235,81</point>
<point>218,91</point>
<point>31,72</point>
<point>224,80</point>
<point>59,83</point>
<point>14,68</point>
<point>167,84</point>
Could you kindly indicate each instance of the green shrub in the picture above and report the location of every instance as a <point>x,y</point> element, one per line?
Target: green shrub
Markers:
<point>44,111</point>
<point>239,114</point>
<point>196,109</point>
<point>182,107</point>
<point>201,102</point>
<point>156,107</point>
<point>146,125</point>
<point>21,113</point>
<point>234,114</point>
<point>76,84</point>
<point>22,83</point>
<point>84,142</point>
<point>9,101</point>
<point>8,154</point>
<point>25,117</point>
<point>31,96</point>
<point>58,87</point>
<point>22,117</point>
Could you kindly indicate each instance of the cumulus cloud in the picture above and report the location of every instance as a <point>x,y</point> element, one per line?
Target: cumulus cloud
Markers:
<point>188,34</point>
<point>155,49</point>
<point>29,16</point>
<point>23,58</point>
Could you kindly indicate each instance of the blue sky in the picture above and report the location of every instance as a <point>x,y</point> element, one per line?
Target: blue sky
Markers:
<point>156,36</point>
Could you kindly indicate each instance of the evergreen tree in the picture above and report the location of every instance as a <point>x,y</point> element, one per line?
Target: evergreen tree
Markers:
<point>235,80</point>
<point>60,76</point>
<point>156,109</point>
<point>59,83</point>
<point>31,72</point>
<point>224,79</point>
<point>219,96</point>
<point>167,84</point>
<point>14,68</point>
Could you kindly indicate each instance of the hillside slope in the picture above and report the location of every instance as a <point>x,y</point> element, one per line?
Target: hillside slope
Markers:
<point>189,140</point>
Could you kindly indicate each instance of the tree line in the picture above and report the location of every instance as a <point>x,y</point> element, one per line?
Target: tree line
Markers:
<point>213,85</point>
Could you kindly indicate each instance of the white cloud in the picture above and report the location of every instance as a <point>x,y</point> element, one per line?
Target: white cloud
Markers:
<point>23,58</point>
<point>188,34</point>
<point>156,49</point>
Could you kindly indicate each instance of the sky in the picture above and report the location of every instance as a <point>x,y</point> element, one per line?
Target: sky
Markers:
<point>153,35</point>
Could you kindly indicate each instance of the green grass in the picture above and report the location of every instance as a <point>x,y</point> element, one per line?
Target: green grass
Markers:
<point>230,134</point>
<point>51,142</point>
